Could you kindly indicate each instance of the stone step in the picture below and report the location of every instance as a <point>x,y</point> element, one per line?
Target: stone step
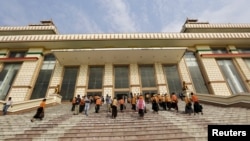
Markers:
<point>148,137</point>
<point>62,125</point>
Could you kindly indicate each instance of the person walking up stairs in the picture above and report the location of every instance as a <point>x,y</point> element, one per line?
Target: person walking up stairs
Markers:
<point>197,106</point>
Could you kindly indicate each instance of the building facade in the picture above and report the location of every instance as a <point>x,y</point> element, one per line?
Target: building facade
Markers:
<point>213,59</point>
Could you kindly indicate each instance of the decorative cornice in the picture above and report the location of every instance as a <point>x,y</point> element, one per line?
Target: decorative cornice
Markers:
<point>27,28</point>
<point>135,36</point>
<point>217,25</point>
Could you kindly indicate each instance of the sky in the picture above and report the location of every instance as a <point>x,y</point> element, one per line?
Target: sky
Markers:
<point>121,16</point>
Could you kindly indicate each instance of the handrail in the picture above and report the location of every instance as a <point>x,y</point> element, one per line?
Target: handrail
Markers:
<point>25,105</point>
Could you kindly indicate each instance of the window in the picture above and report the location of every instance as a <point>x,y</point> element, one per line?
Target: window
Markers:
<point>121,76</point>
<point>196,75</point>
<point>173,79</point>
<point>219,50</point>
<point>7,76</point>
<point>69,82</point>
<point>17,54</point>
<point>44,76</point>
<point>147,76</point>
<point>232,76</point>
<point>95,77</point>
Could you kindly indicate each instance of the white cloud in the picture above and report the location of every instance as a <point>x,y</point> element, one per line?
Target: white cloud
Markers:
<point>123,16</point>
<point>231,12</point>
<point>12,14</point>
<point>174,26</point>
<point>119,16</point>
<point>78,21</point>
<point>218,11</point>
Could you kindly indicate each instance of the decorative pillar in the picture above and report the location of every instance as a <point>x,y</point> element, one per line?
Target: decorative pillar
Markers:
<point>56,78</point>
<point>134,79</point>
<point>184,74</point>
<point>81,83</point>
<point>160,79</point>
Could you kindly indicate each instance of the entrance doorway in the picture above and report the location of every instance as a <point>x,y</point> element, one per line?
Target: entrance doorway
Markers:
<point>92,95</point>
<point>120,95</point>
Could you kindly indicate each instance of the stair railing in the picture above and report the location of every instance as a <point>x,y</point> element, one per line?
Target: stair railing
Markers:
<point>241,100</point>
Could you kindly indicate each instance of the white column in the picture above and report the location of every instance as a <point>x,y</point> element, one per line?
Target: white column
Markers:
<point>56,78</point>
<point>108,80</point>
<point>81,84</point>
<point>160,79</point>
<point>134,79</point>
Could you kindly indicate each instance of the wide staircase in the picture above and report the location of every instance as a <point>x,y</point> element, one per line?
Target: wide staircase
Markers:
<point>60,124</point>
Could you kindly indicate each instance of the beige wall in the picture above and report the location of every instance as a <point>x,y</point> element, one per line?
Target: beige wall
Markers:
<point>241,65</point>
<point>25,79</point>
<point>214,77</point>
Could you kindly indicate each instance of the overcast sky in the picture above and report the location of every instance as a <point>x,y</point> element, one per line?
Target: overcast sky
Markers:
<point>121,16</point>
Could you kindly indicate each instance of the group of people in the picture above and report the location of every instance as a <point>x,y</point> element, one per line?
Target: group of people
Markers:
<point>80,105</point>
<point>170,101</point>
<point>197,107</point>
<point>165,101</point>
<point>189,99</point>
<point>138,104</point>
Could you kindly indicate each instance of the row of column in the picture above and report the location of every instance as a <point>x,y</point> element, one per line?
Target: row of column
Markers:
<point>26,77</point>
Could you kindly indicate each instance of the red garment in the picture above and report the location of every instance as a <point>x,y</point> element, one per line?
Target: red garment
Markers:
<point>140,104</point>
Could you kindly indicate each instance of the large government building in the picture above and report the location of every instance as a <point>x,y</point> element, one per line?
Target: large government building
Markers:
<point>213,60</point>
